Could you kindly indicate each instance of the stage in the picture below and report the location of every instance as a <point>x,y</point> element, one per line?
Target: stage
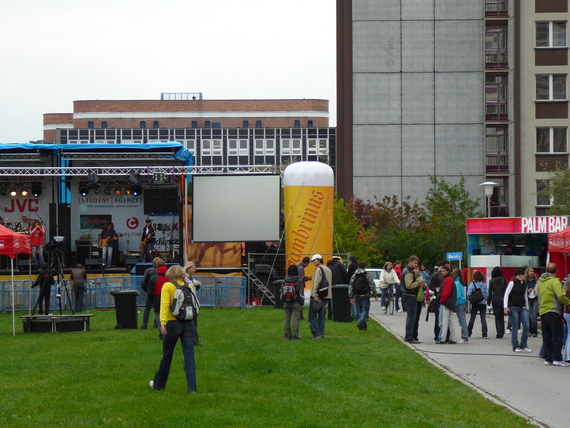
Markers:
<point>55,323</point>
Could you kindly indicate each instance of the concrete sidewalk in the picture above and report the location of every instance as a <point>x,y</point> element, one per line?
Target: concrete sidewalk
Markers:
<point>519,381</point>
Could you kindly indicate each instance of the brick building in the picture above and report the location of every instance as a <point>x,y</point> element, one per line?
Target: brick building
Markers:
<point>219,132</point>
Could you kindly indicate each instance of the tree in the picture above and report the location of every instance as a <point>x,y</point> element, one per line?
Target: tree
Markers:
<point>448,206</point>
<point>351,235</point>
<point>557,189</point>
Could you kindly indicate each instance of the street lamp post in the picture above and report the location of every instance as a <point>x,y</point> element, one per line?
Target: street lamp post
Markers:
<point>488,186</point>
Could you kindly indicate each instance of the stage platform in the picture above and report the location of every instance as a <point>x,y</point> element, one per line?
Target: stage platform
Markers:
<point>55,323</point>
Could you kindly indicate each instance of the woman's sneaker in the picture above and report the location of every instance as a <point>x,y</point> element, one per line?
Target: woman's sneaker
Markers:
<point>560,363</point>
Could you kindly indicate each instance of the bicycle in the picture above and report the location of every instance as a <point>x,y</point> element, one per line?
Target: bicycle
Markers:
<point>389,300</point>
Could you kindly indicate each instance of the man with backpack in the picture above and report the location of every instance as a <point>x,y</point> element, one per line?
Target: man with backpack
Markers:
<point>321,293</point>
<point>292,295</point>
<point>360,288</point>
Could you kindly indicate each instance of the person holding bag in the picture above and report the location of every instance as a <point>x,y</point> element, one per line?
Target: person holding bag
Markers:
<point>478,293</point>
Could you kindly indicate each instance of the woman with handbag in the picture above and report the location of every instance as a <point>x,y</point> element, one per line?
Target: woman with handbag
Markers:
<point>478,294</point>
<point>530,279</point>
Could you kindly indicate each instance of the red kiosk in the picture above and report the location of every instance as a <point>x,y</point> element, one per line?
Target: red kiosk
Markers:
<point>558,249</point>
<point>489,238</point>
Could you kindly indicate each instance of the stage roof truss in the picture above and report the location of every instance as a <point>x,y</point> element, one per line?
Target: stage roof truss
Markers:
<point>155,156</point>
<point>24,172</point>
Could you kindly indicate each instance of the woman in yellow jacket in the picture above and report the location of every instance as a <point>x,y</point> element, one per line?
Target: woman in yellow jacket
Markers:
<point>172,330</point>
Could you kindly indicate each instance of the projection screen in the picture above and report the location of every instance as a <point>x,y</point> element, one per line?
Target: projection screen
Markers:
<point>236,208</point>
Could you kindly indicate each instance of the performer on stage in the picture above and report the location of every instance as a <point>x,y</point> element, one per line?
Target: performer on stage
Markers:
<point>38,233</point>
<point>147,241</point>
<point>23,226</point>
<point>107,240</point>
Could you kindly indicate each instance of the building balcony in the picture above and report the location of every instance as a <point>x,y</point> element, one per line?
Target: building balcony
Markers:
<point>496,110</point>
<point>497,163</point>
<point>496,59</point>
<point>495,8</point>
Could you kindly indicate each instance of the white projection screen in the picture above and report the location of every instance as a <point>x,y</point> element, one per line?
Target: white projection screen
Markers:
<point>236,208</point>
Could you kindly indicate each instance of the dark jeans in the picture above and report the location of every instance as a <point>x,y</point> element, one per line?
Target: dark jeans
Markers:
<point>45,296</point>
<point>552,336</point>
<point>399,297</point>
<point>475,309</point>
<point>317,317</point>
<point>363,308</point>
<point>435,308</point>
<point>183,330</point>
<point>78,294</point>
<point>146,314</point>
<point>499,319</point>
<point>417,321</point>
<point>533,314</point>
<point>411,308</point>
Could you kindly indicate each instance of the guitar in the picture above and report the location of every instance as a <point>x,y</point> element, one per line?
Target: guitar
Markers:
<point>105,241</point>
<point>144,241</point>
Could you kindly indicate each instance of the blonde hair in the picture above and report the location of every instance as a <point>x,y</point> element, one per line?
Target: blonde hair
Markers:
<point>175,274</point>
<point>188,265</point>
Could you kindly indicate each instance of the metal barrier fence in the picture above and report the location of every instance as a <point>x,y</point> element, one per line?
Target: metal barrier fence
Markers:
<point>216,292</point>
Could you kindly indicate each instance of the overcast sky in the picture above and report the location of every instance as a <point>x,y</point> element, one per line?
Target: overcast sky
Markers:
<point>58,51</point>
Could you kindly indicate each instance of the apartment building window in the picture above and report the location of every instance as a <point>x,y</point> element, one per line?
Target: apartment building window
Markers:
<point>552,140</point>
<point>541,198</point>
<point>291,147</point>
<point>550,87</point>
<point>245,124</point>
<point>207,124</point>
<point>155,124</point>
<point>297,124</point>
<point>258,124</point>
<point>142,124</point>
<point>194,124</point>
<point>90,125</point>
<point>496,101</point>
<point>238,147</point>
<point>496,53</point>
<point>551,34</point>
<point>104,125</point>
<point>264,147</point>
<point>317,147</point>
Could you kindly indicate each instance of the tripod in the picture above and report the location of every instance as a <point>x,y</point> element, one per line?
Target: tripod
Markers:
<point>56,269</point>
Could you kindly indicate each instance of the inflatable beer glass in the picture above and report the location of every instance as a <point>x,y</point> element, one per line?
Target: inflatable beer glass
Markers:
<point>309,194</point>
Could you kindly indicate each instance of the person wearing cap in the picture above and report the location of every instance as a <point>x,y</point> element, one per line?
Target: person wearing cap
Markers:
<point>317,305</point>
<point>147,241</point>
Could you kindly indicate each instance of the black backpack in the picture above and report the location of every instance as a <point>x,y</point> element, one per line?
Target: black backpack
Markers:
<point>361,287</point>
<point>289,292</point>
<point>323,287</point>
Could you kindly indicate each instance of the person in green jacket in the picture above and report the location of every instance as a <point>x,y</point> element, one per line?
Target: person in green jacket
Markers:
<point>551,297</point>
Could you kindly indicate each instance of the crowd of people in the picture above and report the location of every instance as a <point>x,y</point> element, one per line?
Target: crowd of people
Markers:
<point>523,300</point>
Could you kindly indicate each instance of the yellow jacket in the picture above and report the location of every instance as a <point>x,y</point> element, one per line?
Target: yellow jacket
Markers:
<point>166,297</point>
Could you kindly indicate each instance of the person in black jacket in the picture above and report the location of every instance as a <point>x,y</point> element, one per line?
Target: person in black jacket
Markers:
<point>339,276</point>
<point>45,281</point>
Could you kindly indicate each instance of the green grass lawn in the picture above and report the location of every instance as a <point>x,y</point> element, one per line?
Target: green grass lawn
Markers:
<point>247,377</point>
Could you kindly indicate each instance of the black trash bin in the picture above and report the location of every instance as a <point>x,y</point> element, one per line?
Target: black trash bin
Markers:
<point>276,290</point>
<point>341,303</point>
<point>126,308</point>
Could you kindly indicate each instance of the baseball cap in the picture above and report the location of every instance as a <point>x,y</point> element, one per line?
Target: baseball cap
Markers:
<point>316,256</point>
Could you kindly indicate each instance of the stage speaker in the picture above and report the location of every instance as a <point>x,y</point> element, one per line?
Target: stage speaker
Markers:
<point>131,261</point>
<point>83,253</point>
<point>25,264</point>
<point>161,201</point>
<point>141,267</point>
<point>93,263</point>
